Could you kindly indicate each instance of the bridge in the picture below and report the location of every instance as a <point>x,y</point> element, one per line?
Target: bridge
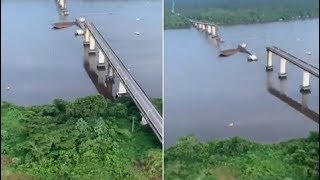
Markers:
<point>108,59</point>
<point>62,4</point>
<point>210,28</point>
<point>301,64</point>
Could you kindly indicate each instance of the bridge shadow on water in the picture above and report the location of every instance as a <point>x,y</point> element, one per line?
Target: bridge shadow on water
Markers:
<point>301,107</point>
<point>97,76</point>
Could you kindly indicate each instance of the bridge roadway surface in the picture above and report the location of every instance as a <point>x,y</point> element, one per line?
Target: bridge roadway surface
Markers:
<point>146,108</point>
<point>294,60</point>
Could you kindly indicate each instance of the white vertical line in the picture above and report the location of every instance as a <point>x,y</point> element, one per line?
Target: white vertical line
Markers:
<point>163,114</point>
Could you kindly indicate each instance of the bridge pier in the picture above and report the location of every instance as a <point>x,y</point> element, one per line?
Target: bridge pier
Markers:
<point>110,76</point>
<point>208,29</point>
<point>92,44</point>
<point>63,6</point>
<point>269,66</point>
<point>204,27</point>
<point>121,90</point>
<point>305,87</point>
<point>143,121</point>
<point>213,31</point>
<point>283,73</point>
<point>101,59</point>
<point>86,37</point>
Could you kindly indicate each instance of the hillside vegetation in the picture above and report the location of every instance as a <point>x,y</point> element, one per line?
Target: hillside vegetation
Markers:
<point>89,138</point>
<point>229,12</point>
<point>237,158</point>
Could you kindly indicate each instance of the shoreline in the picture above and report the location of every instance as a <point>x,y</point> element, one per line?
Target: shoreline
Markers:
<point>256,23</point>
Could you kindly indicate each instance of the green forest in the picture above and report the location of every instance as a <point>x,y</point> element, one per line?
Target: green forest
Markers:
<point>88,138</point>
<point>237,158</point>
<point>230,12</point>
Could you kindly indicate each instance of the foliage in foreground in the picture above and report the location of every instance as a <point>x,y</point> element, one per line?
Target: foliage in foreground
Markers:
<point>230,12</point>
<point>237,158</point>
<point>90,138</point>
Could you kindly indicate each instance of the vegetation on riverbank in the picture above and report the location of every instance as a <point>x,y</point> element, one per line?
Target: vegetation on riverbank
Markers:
<point>89,138</point>
<point>237,158</point>
<point>230,12</point>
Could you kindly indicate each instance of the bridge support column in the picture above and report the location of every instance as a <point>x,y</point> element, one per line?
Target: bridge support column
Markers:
<point>110,75</point>
<point>213,31</point>
<point>63,4</point>
<point>204,27</point>
<point>143,121</point>
<point>101,60</point>
<point>92,45</point>
<point>283,73</point>
<point>86,37</point>
<point>209,29</point>
<point>269,66</point>
<point>305,87</point>
<point>122,90</point>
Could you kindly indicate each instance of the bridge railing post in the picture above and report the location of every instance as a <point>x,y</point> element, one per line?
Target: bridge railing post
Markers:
<point>269,66</point>
<point>305,87</point>
<point>283,73</point>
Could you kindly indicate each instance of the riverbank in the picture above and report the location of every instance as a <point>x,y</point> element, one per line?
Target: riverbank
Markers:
<point>89,138</point>
<point>237,158</point>
<point>244,12</point>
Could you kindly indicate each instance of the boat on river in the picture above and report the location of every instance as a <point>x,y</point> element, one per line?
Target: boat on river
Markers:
<point>61,25</point>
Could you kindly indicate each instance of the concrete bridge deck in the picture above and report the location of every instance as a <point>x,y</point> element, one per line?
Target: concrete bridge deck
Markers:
<point>294,60</point>
<point>147,109</point>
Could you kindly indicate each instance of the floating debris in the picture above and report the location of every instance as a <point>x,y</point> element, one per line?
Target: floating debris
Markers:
<point>136,33</point>
<point>231,124</point>
<point>308,53</point>
<point>8,88</point>
<point>138,19</point>
<point>243,45</point>
<point>298,39</point>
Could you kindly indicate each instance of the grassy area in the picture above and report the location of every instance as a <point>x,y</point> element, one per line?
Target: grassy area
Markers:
<point>237,158</point>
<point>89,138</point>
<point>230,12</point>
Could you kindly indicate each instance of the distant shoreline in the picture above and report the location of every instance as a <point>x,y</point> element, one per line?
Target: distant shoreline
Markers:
<point>257,23</point>
<point>188,25</point>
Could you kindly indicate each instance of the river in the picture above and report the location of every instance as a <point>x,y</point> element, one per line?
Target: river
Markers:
<point>216,98</point>
<point>40,64</point>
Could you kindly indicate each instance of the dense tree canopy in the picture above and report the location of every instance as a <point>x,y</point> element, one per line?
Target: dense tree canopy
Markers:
<point>89,138</point>
<point>238,11</point>
<point>236,158</point>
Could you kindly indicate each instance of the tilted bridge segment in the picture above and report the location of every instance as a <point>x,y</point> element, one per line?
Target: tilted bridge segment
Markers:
<point>108,59</point>
<point>301,64</point>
